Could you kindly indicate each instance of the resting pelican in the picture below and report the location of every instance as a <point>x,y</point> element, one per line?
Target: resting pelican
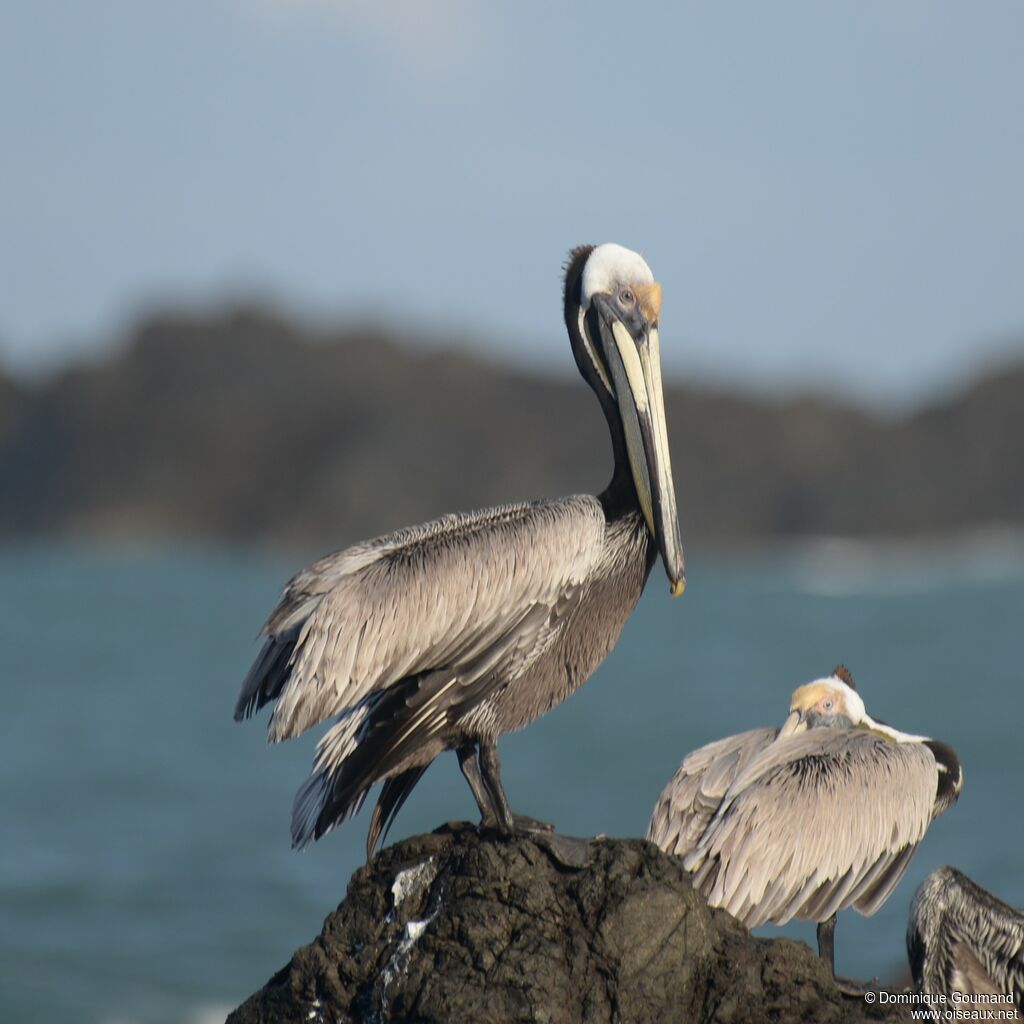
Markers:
<point>446,635</point>
<point>805,820</point>
<point>962,939</point>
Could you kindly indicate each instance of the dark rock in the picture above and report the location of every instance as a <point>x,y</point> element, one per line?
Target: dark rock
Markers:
<point>460,926</point>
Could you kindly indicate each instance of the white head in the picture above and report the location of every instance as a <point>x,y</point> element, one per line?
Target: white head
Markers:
<point>608,267</point>
<point>833,703</point>
<point>826,702</point>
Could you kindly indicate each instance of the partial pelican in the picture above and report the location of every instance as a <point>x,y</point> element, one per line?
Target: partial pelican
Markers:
<point>805,820</point>
<point>963,940</point>
<point>446,635</point>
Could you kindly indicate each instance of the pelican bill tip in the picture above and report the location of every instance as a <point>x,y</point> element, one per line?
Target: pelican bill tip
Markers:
<point>677,588</point>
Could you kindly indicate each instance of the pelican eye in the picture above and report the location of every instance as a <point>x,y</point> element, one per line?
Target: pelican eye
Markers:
<point>827,704</point>
<point>626,297</point>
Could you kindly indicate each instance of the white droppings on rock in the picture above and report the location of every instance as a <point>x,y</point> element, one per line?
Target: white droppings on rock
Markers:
<point>400,958</point>
<point>414,929</point>
<point>412,880</point>
<point>406,882</point>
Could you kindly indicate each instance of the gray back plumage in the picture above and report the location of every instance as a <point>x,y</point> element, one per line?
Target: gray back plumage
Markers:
<point>803,826</point>
<point>961,938</point>
<point>363,618</point>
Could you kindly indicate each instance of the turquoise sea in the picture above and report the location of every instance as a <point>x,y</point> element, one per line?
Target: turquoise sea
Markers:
<point>145,868</point>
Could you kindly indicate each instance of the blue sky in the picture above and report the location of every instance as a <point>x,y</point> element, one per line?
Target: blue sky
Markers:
<point>830,193</point>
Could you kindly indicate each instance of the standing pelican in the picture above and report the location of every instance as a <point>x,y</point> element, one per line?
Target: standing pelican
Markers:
<point>446,635</point>
<point>805,820</point>
<point>963,940</point>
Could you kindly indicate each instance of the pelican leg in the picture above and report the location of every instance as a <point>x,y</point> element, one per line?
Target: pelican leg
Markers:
<point>490,769</point>
<point>826,942</point>
<point>471,770</point>
<point>484,778</point>
<point>490,813</point>
<point>826,950</point>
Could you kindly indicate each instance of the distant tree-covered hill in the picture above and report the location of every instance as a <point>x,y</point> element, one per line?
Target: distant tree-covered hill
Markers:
<point>248,428</point>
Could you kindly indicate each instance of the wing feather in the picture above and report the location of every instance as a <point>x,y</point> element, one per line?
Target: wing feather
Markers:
<point>780,844</point>
<point>690,798</point>
<point>415,601</point>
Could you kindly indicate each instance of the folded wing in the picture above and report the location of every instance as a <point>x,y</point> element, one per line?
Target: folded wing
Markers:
<point>693,795</point>
<point>418,601</point>
<point>814,823</point>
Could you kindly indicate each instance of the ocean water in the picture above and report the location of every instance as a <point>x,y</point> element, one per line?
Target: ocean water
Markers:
<point>145,869</point>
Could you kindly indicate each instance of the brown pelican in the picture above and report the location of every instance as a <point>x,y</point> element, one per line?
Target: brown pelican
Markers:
<point>446,635</point>
<point>963,940</point>
<point>805,820</point>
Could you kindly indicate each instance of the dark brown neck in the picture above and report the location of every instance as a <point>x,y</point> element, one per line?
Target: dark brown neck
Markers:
<point>950,776</point>
<point>619,497</point>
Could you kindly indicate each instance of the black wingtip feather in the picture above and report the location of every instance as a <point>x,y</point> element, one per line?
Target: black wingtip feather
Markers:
<point>268,675</point>
<point>393,794</point>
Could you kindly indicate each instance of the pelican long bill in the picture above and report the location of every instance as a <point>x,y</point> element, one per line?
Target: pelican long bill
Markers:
<point>632,347</point>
